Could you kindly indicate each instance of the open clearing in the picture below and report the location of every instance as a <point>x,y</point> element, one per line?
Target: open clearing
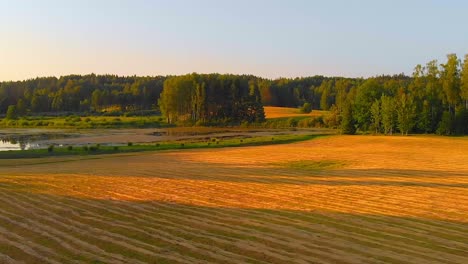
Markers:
<point>281,112</point>
<point>335,199</point>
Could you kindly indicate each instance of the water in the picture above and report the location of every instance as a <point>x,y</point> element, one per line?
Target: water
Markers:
<point>6,145</point>
<point>24,141</point>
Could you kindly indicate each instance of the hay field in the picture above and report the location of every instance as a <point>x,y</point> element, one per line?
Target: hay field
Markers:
<point>337,199</point>
<point>281,112</point>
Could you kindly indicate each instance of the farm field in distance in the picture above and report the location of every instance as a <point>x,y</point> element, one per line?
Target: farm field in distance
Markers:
<point>281,112</point>
<point>333,199</point>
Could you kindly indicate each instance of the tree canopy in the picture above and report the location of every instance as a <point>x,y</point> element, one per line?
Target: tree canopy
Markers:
<point>433,100</point>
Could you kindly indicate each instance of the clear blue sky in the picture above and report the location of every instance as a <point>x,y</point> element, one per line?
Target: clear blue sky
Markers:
<point>268,38</point>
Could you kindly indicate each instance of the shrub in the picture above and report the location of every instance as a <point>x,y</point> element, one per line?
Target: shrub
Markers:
<point>50,148</point>
<point>446,124</point>
<point>11,113</point>
<point>85,148</point>
<point>292,122</point>
<point>129,144</point>
<point>70,148</point>
<point>182,144</point>
<point>24,123</point>
<point>116,148</point>
<point>306,108</point>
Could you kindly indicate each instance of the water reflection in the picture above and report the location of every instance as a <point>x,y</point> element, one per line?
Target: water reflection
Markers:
<point>6,145</point>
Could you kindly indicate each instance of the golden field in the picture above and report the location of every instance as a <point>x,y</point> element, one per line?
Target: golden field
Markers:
<point>280,112</point>
<point>335,199</point>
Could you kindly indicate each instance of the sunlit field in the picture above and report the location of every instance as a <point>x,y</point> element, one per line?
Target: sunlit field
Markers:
<point>333,199</point>
<point>279,112</point>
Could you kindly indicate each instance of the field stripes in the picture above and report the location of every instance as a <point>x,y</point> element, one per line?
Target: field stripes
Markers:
<point>223,206</point>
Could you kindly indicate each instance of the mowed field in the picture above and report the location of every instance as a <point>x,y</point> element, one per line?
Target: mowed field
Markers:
<point>335,199</point>
<point>281,112</point>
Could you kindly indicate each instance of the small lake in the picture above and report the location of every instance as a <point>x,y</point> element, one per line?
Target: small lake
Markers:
<point>24,141</point>
<point>6,145</point>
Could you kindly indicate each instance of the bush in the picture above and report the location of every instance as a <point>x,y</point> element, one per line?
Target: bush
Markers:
<point>446,124</point>
<point>85,148</point>
<point>129,144</point>
<point>50,148</point>
<point>306,108</point>
<point>70,148</point>
<point>116,148</point>
<point>11,113</point>
<point>24,123</point>
<point>292,122</point>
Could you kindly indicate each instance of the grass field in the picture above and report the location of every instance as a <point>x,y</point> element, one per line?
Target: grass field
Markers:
<point>281,112</point>
<point>207,142</point>
<point>85,122</point>
<point>336,199</point>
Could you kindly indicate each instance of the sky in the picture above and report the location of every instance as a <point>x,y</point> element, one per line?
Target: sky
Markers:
<point>275,38</point>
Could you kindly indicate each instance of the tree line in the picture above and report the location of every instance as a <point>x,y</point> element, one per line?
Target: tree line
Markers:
<point>433,100</point>
<point>80,93</point>
<point>212,99</point>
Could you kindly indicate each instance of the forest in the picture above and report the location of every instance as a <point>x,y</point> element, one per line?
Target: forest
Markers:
<point>433,100</point>
<point>211,99</point>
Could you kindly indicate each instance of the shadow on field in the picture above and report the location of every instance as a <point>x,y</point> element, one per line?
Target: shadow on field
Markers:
<point>269,174</point>
<point>37,228</point>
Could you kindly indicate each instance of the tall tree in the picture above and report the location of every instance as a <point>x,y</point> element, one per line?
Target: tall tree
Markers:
<point>451,81</point>
<point>433,95</point>
<point>388,114</point>
<point>376,115</point>
<point>324,99</point>
<point>464,82</point>
<point>347,119</point>
<point>405,109</point>
<point>367,93</point>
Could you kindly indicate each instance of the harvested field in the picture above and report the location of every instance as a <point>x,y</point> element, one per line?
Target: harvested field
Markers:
<point>336,199</point>
<point>280,112</point>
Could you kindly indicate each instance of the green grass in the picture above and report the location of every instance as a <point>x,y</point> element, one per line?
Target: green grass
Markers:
<point>85,122</point>
<point>170,145</point>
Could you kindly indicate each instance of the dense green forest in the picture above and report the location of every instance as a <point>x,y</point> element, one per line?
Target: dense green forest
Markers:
<point>433,100</point>
<point>211,99</point>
